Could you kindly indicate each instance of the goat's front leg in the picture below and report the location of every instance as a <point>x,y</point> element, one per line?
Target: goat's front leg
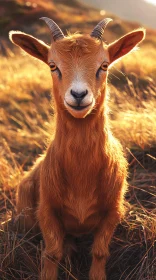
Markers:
<point>53,236</point>
<point>100,250</point>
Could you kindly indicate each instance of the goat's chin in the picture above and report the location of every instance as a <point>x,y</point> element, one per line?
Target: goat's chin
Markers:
<point>79,114</point>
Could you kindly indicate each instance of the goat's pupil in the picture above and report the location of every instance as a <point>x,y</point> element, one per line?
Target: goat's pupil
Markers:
<point>104,66</point>
<point>52,66</point>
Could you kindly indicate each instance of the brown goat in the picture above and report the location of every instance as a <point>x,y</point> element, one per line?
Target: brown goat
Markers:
<point>78,186</point>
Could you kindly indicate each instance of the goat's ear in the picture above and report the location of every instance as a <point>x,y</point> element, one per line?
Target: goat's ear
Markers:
<point>29,44</point>
<point>125,44</point>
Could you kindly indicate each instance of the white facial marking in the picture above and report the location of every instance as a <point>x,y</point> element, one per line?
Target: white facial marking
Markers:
<point>79,86</point>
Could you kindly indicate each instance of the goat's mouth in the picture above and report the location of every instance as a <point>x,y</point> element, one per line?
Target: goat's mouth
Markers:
<point>78,107</point>
<point>79,111</point>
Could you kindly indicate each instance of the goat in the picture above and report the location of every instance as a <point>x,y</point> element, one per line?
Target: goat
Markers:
<point>78,186</point>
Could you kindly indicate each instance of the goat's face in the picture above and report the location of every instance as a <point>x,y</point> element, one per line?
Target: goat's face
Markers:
<point>78,64</point>
<point>79,68</point>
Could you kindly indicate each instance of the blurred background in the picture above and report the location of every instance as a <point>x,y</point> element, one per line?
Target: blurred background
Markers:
<point>143,11</point>
<point>27,124</point>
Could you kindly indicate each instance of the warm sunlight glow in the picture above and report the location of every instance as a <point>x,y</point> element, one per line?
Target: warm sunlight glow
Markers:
<point>151,1</point>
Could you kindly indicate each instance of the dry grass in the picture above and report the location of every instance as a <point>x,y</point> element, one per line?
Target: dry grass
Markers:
<point>26,124</point>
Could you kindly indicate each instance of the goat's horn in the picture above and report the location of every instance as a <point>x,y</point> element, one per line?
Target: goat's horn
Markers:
<point>55,29</point>
<point>100,28</point>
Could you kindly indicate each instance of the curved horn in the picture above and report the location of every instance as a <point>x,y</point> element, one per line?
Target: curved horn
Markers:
<point>55,29</point>
<point>100,28</point>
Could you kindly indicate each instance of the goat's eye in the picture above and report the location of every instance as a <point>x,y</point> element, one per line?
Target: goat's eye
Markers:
<point>53,66</point>
<point>104,66</point>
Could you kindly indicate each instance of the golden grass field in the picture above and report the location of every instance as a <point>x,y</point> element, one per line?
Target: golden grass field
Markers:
<point>26,126</point>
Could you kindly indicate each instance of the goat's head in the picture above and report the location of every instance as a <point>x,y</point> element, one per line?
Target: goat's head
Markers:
<point>78,64</point>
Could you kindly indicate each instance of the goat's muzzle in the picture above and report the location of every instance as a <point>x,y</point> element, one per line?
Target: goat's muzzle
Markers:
<point>79,100</point>
<point>78,96</point>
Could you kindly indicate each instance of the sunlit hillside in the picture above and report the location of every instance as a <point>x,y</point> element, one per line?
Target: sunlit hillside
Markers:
<point>27,124</point>
<point>142,11</point>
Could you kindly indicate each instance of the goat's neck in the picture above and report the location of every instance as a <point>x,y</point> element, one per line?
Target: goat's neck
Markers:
<point>83,132</point>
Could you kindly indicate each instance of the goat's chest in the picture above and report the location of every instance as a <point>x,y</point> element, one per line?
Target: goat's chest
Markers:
<point>80,210</point>
<point>81,191</point>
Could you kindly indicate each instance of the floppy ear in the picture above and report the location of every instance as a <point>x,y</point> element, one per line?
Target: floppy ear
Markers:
<point>29,44</point>
<point>125,44</point>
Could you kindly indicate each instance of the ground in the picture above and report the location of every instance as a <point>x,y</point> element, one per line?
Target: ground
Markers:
<point>26,125</point>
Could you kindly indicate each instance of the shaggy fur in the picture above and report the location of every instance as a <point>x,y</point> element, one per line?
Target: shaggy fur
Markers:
<point>78,186</point>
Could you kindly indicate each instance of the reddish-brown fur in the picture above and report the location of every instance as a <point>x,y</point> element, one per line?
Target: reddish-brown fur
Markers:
<point>80,182</point>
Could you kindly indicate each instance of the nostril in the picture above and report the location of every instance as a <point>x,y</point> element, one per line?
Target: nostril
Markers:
<point>74,94</point>
<point>84,93</point>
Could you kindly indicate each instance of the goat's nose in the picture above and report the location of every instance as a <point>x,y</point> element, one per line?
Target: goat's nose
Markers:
<point>79,95</point>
